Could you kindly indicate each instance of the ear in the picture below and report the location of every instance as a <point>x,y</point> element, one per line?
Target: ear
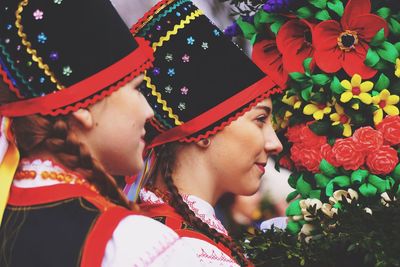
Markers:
<point>84,117</point>
<point>204,143</point>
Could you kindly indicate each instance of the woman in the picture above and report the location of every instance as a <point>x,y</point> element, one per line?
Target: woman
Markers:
<point>70,74</point>
<point>212,132</point>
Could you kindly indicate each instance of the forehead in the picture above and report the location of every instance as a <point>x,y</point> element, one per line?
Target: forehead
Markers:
<point>265,103</point>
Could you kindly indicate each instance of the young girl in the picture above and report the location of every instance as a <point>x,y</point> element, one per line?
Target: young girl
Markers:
<point>212,131</point>
<point>70,72</point>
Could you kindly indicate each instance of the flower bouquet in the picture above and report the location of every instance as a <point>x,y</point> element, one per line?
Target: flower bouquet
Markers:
<point>339,122</point>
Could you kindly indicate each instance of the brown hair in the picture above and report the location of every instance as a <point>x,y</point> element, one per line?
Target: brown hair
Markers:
<point>37,133</point>
<point>165,162</point>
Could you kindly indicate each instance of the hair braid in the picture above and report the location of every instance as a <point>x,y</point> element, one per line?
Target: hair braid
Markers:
<point>167,158</point>
<point>53,134</point>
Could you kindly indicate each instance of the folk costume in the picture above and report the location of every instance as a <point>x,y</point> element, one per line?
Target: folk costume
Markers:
<point>59,56</point>
<point>200,82</point>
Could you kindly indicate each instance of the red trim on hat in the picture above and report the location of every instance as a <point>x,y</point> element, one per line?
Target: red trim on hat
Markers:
<point>148,15</point>
<point>6,79</point>
<point>216,113</point>
<point>135,62</point>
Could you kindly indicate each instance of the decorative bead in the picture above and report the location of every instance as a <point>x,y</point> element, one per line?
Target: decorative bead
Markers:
<point>185,58</point>
<point>67,71</point>
<point>29,63</point>
<point>158,27</point>
<point>216,32</point>
<point>171,72</point>
<point>190,40</point>
<point>18,47</point>
<point>178,14</point>
<point>42,38</point>
<point>38,14</point>
<point>30,79</point>
<point>42,80</point>
<point>204,45</point>
<point>58,2</point>
<point>184,90</point>
<point>168,89</point>
<point>156,71</point>
<point>53,56</point>
<point>7,41</point>
<point>9,27</point>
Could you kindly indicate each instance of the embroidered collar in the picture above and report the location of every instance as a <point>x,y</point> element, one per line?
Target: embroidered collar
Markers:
<point>200,207</point>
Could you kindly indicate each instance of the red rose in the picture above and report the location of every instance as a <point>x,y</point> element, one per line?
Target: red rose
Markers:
<point>347,155</point>
<point>382,161</point>
<point>327,154</point>
<point>390,128</point>
<point>310,139</point>
<point>286,162</point>
<point>368,139</point>
<point>306,157</point>
<point>293,133</point>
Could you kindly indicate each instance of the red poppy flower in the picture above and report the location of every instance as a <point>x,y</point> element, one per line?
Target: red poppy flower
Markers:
<point>345,44</point>
<point>294,41</point>
<point>268,58</point>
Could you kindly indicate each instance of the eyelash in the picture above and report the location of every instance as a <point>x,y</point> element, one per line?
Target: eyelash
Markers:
<point>262,119</point>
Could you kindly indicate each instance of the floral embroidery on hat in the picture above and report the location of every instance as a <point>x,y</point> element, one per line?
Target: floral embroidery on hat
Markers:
<point>184,90</point>
<point>38,14</point>
<point>58,2</point>
<point>204,45</point>
<point>67,71</point>
<point>216,32</point>
<point>182,106</point>
<point>169,57</point>
<point>168,89</point>
<point>42,38</point>
<point>53,56</point>
<point>190,40</point>
<point>185,58</point>
<point>171,72</point>
<point>156,71</point>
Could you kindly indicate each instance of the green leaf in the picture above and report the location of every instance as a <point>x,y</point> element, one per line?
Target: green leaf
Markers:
<point>379,38</point>
<point>396,172</point>
<point>327,168</point>
<point>319,97</point>
<point>336,6</point>
<point>321,180</point>
<point>304,13</point>
<point>303,187</point>
<point>293,179</point>
<point>276,26</point>
<point>336,87</point>
<point>397,45</point>
<point>320,127</point>
<point>315,194</point>
<point>261,18</point>
<point>293,227</point>
<point>388,52</point>
<point>248,29</point>
<point>372,58</point>
<point>358,176</point>
<point>320,79</point>
<point>298,76</point>
<point>322,15</point>
<point>383,12</point>
<point>306,93</point>
<point>382,83</point>
<point>294,208</point>
<point>394,26</point>
<point>367,190</point>
<point>291,196</point>
<point>318,3</point>
<point>307,65</point>
<point>254,39</point>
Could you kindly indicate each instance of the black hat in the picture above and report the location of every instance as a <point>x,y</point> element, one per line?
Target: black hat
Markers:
<point>200,81</point>
<point>59,55</point>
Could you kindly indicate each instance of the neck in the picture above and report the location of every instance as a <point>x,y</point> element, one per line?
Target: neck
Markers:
<point>192,177</point>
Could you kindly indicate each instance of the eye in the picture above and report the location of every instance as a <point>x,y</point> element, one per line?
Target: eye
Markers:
<point>142,88</point>
<point>262,119</point>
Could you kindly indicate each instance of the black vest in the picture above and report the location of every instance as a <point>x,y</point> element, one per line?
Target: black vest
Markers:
<point>47,235</point>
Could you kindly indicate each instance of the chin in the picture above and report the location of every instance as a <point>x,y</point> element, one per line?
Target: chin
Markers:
<point>250,189</point>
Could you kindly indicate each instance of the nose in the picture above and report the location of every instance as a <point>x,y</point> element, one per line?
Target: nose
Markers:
<point>272,143</point>
<point>149,112</point>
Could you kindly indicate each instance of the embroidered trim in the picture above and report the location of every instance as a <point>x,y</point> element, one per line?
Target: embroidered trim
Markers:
<point>233,118</point>
<point>181,25</point>
<point>166,12</point>
<point>149,15</point>
<point>161,101</point>
<point>29,48</point>
<point>164,124</point>
<point>156,125</point>
<point>8,82</point>
<point>215,257</point>
<point>19,75</point>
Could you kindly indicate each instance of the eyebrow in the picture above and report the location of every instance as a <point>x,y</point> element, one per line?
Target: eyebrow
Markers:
<point>265,108</point>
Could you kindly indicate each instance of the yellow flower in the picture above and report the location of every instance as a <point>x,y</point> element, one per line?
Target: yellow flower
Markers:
<point>385,102</point>
<point>357,89</point>
<point>341,118</point>
<point>292,101</point>
<point>317,110</point>
<point>397,67</point>
<point>282,123</point>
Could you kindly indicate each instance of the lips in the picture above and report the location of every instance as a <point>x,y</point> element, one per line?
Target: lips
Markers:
<point>261,166</point>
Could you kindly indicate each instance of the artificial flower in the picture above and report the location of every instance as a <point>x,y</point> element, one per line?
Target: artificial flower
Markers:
<point>345,44</point>
<point>367,139</point>
<point>293,101</point>
<point>347,155</point>
<point>317,110</point>
<point>390,128</point>
<point>385,102</point>
<point>397,71</point>
<point>294,41</point>
<point>268,58</point>
<point>340,117</point>
<point>356,89</point>
<point>382,161</point>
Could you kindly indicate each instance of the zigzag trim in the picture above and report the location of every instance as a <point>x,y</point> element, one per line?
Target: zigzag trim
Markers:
<point>161,101</point>
<point>162,122</point>
<point>181,25</point>
<point>19,75</point>
<point>166,12</point>
<point>233,118</point>
<point>9,83</point>
<point>29,48</point>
